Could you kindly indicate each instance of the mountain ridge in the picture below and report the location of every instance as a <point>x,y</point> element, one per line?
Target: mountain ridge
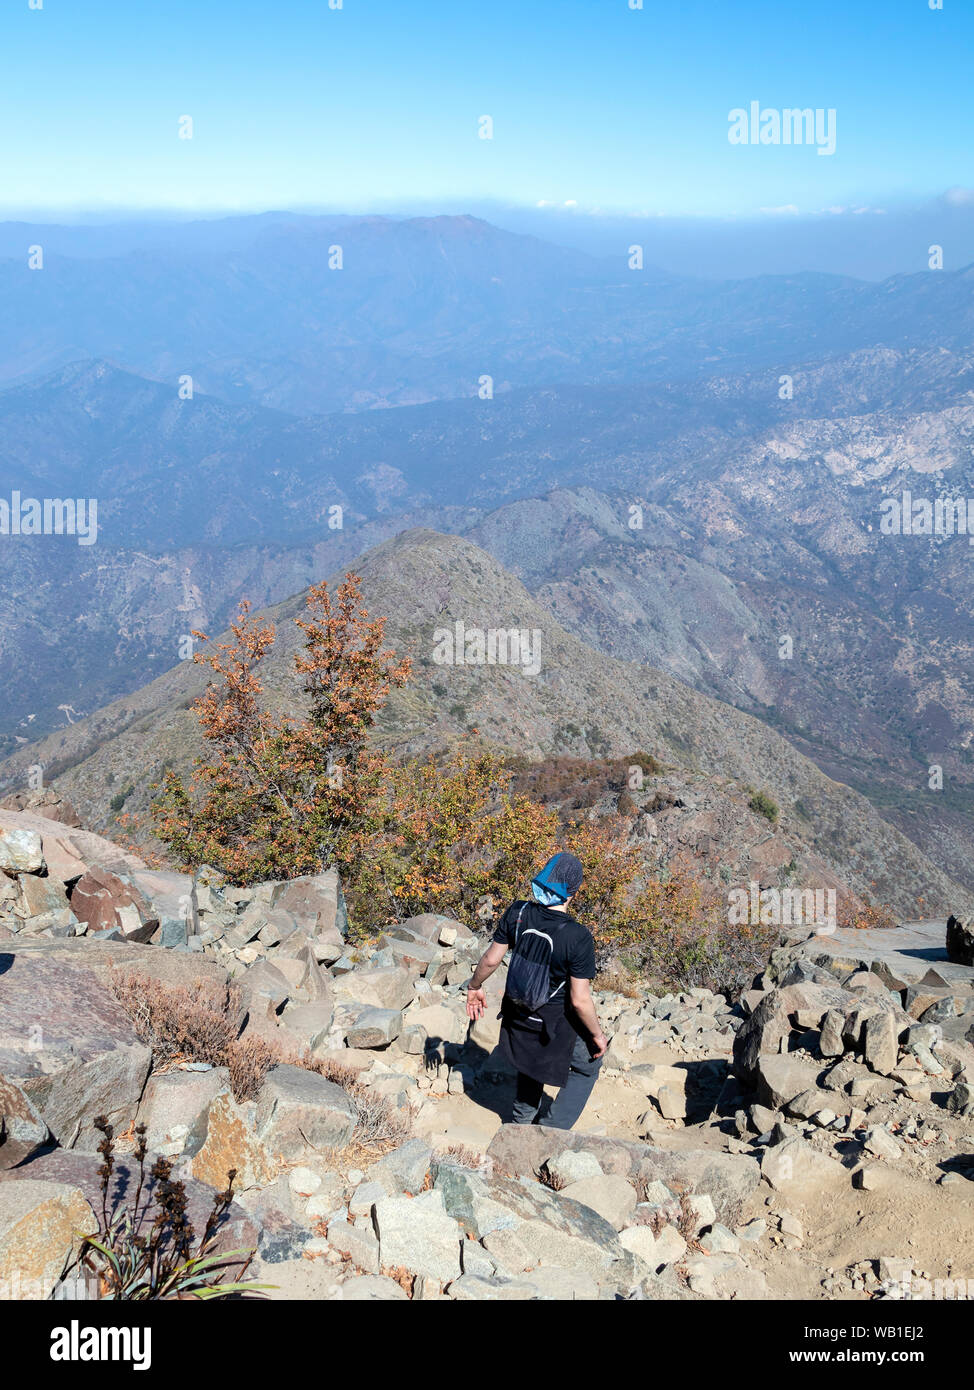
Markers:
<point>583,703</point>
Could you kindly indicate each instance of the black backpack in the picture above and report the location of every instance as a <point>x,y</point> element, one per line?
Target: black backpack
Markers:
<point>529,973</point>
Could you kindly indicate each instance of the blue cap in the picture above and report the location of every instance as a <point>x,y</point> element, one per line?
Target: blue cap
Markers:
<point>562,875</point>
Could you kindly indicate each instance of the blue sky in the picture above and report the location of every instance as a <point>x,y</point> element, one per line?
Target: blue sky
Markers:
<point>376,105</point>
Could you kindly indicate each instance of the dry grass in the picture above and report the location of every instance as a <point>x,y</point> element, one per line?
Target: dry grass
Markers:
<point>462,1157</point>
<point>655,1220</point>
<point>549,1179</point>
<point>179,1025</point>
<point>687,1222</point>
<point>614,979</point>
<point>197,1025</point>
<point>862,915</point>
<point>401,1276</point>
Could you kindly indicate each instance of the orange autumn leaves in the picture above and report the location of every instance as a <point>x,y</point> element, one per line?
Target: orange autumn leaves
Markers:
<point>280,796</point>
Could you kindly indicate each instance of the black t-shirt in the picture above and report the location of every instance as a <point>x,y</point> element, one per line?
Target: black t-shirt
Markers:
<point>573,948</point>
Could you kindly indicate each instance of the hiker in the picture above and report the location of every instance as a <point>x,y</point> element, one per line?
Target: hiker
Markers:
<point>550,1032</point>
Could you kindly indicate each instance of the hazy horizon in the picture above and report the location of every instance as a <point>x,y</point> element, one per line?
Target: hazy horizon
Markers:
<point>864,243</point>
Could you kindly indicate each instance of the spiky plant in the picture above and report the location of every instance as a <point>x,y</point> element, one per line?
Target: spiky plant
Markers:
<point>148,1249</point>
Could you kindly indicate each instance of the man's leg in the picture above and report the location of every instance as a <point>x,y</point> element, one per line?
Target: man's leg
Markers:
<point>527,1100</point>
<point>571,1099</point>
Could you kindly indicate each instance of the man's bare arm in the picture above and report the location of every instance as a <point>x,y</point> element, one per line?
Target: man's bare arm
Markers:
<point>584,1006</point>
<point>488,963</point>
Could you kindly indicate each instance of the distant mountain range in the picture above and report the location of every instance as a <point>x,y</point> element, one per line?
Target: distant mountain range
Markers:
<point>722,526</point>
<point>579,702</point>
<point>256,311</point>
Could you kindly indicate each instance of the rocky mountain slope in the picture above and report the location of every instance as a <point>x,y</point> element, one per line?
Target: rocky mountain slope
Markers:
<point>580,702</point>
<point>760,522</point>
<point>809,1139</point>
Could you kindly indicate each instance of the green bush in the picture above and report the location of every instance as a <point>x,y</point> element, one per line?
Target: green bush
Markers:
<point>764,806</point>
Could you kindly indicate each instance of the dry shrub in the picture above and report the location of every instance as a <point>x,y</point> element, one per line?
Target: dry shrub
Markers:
<point>179,1024</point>
<point>401,1276</point>
<point>549,1179</point>
<point>198,1025</point>
<point>684,940</point>
<point>687,1222</point>
<point>249,1061</point>
<point>860,914</point>
<point>615,979</point>
<point>655,1218</point>
<point>332,1070</point>
<point>461,1157</point>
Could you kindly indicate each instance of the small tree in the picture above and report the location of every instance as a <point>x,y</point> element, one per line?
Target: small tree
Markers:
<point>282,796</point>
<point>454,841</point>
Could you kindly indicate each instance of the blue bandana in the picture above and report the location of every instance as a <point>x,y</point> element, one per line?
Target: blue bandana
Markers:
<point>544,896</point>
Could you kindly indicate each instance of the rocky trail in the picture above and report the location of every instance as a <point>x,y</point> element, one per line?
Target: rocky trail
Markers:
<point>815,1140</point>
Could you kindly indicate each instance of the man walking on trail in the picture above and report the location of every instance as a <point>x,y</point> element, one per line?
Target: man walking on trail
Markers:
<point>550,1032</point>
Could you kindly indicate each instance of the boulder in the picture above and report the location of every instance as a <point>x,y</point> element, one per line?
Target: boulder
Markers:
<point>172,902</point>
<point>417,1234</point>
<point>880,1042</point>
<point>608,1194</point>
<point>314,982</point>
<point>37,895</point>
<point>404,1169</point>
<point>432,926</point>
<point>572,1165</point>
<point>507,1251</point>
<point>476,1288</point>
<point>317,904</point>
<point>237,1229</point>
<point>357,1243</point>
<point>107,959</point>
<point>375,1028</point>
<point>281,1237</point>
<point>175,1109</point>
<point>415,953</point>
<point>104,901</point>
<point>41,1227</point>
<point>232,1142</point>
<point>830,1042</point>
<point>308,1025</point>
<point>438,1024</point>
<point>728,1178</point>
<point>960,940</point>
<point>796,1162</point>
<point>466,1197</point>
<point>43,801</point>
<point>21,850</point>
<point>768,1028</point>
<point>68,1044</point>
<point>278,926</point>
<point>780,1078</point>
<point>264,990</point>
<point>66,849</point>
<point>22,1131</point>
<point>640,1241</point>
<point>384,988</point>
<point>299,1114</point>
<point>371,1288</point>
